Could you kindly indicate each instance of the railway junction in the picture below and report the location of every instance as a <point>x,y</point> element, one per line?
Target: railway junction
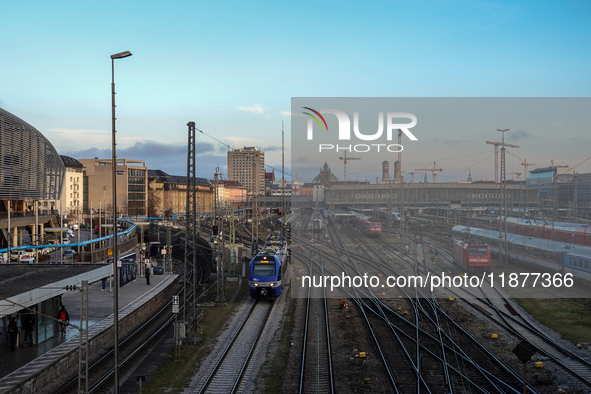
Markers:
<point>355,338</point>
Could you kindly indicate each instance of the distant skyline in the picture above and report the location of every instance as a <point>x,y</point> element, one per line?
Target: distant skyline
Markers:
<point>233,67</point>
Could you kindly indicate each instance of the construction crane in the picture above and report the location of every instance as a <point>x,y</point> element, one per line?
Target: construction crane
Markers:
<point>497,144</point>
<point>344,159</point>
<point>515,173</point>
<point>434,170</point>
<point>525,164</point>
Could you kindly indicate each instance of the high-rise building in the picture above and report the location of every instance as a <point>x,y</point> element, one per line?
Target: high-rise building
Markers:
<point>247,166</point>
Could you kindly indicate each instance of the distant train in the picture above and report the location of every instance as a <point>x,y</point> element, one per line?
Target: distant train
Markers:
<point>471,256</point>
<point>266,268</point>
<point>574,233</point>
<point>544,253</point>
<point>367,224</point>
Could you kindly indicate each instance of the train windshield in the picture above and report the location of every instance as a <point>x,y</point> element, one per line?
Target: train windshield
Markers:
<point>478,250</point>
<point>263,269</point>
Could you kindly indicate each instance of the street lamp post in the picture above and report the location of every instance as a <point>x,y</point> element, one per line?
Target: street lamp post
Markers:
<point>120,55</point>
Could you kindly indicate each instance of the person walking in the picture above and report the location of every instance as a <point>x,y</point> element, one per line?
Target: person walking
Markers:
<point>64,319</point>
<point>13,331</point>
<point>28,326</point>
<point>148,273</point>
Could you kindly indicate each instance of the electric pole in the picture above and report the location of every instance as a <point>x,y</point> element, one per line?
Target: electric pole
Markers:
<point>503,208</point>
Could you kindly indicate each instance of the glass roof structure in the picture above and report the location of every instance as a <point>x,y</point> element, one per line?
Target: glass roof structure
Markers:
<point>30,167</point>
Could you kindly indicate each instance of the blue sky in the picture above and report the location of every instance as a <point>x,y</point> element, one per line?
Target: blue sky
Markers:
<point>232,67</point>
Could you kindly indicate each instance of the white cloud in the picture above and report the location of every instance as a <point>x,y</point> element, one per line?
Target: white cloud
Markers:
<point>255,109</point>
<point>77,138</point>
<point>289,113</point>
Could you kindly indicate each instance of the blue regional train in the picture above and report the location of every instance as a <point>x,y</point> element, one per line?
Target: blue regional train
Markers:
<point>266,268</point>
<point>553,255</point>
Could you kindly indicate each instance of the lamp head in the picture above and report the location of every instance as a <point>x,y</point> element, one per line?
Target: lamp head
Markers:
<point>121,55</point>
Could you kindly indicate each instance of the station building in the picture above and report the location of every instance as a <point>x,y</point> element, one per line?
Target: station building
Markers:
<point>423,195</point>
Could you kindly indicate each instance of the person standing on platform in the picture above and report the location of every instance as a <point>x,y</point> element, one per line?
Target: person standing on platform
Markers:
<point>104,284</point>
<point>64,318</point>
<point>13,331</point>
<point>28,326</point>
<point>148,273</point>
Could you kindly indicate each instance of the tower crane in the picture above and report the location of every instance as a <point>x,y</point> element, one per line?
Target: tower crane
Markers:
<point>434,170</point>
<point>525,164</point>
<point>344,159</point>
<point>497,144</point>
<point>515,173</point>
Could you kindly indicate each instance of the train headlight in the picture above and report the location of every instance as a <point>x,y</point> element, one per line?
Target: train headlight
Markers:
<point>255,284</point>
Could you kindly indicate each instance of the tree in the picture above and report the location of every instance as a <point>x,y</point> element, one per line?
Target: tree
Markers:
<point>154,202</point>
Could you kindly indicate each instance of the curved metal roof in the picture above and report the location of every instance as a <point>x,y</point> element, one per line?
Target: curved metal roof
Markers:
<point>31,167</point>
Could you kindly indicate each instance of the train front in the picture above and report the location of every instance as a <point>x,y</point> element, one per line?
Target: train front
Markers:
<point>265,276</point>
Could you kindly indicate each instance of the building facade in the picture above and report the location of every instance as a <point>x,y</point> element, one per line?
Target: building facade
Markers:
<point>72,193</point>
<point>169,193</point>
<point>132,185</point>
<point>235,192</point>
<point>247,166</point>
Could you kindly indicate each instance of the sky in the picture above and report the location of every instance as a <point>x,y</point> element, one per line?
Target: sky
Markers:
<point>233,68</point>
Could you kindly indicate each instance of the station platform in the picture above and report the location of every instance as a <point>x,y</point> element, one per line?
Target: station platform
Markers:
<point>19,365</point>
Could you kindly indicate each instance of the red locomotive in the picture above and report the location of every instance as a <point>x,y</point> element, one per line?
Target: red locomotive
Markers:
<point>471,256</point>
<point>366,224</point>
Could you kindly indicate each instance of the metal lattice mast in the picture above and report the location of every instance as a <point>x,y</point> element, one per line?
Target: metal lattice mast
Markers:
<point>83,337</point>
<point>168,266</point>
<point>284,214</point>
<point>503,210</point>
<point>232,245</point>
<point>218,244</point>
<point>190,227</point>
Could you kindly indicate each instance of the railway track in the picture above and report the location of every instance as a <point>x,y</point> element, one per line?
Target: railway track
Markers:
<point>520,326</point>
<point>225,372</point>
<point>131,348</point>
<point>316,374</point>
<point>438,361</point>
<point>439,345</point>
<point>494,306</point>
